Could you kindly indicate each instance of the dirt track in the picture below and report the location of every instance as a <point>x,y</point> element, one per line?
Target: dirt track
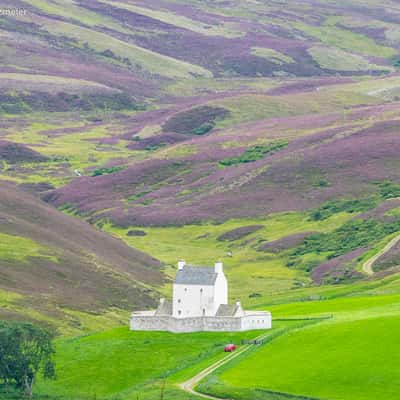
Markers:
<point>189,385</point>
<point>367,266</point>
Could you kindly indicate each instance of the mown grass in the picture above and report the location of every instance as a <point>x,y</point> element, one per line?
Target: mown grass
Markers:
<point>125,363</point>
<point>352,356</point>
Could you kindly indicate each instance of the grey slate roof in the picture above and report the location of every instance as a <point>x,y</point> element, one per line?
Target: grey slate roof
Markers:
<point>191,275</point>
<point>226,310</point>
<point>164,308</point>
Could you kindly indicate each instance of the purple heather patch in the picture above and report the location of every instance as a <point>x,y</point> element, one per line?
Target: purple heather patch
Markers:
<point>338,268</point>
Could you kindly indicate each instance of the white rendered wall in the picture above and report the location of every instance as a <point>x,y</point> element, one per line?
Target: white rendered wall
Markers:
<point>196,324</point>
<point>193,301</point>
<point>220,291</point>
<point>261,320</point>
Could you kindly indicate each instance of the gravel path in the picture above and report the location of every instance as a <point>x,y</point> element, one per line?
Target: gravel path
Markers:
<point>367,266</point>
<point>190,384</point>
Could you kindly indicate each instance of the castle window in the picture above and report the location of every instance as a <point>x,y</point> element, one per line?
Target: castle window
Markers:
<point>185,289</point>
<point>179,300</point>
<point>201,290</point>
<point>179,312</point>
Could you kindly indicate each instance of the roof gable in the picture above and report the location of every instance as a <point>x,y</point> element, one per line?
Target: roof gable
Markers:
<point>192,275</point>
<point>227,310</point>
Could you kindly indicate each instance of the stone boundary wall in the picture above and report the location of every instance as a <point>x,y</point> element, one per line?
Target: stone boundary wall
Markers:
<point>197,324</point>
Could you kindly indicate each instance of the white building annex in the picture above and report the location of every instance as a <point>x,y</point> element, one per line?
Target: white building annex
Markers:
<point>200,303</point>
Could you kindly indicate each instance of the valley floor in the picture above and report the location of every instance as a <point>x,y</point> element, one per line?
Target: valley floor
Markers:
<point>337,349</point>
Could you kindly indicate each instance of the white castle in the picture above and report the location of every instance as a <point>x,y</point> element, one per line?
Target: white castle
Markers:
<point>200,303</point>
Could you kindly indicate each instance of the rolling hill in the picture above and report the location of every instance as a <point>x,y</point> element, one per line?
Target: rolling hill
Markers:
<point>165,116</point>
<point>263,134</point>
<point>61,271</point>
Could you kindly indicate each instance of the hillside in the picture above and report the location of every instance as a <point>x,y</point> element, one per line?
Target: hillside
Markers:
<point>61,271</point>
<point>264,134</point>
<point>200,118</point>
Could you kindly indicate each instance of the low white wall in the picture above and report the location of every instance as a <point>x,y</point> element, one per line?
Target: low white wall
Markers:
<point>197,324</point>
<point>256,321</point>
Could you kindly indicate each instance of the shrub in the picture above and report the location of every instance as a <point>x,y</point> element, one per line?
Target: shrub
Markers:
<point>389,190</point>
<point>336,206</point>
<point>350,236</point>
<point>104,171</point>
<point>254,295</point>
<point>25,350</point>
<point>255,153</point>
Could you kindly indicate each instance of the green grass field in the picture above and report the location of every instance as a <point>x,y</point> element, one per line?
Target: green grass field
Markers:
<point>348,357</point>
<point>119,362</point>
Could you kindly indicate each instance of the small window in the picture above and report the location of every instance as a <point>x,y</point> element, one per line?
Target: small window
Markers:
<point>201,290</point>
<point>179,312</point>
<point>179,300</point>
<point>185,289</point>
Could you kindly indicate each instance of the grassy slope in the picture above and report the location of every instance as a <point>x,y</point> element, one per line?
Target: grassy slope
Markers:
<point>129,363</point>
<point>348,357</point>
<point>248,271</point>
<point>63,272</point>
<point>125,364</point>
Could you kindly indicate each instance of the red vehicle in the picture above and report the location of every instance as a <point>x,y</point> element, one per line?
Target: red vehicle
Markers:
<point>229,348</point>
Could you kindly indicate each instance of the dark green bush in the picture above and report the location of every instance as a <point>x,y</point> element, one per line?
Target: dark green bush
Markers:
<point>389,190</point>
<point>350,236</point>
<point>336,206</point>
<point>255,153</point>
<point>104,171</point>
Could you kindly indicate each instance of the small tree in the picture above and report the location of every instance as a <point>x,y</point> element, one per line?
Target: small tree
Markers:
<point>7,347</point>
<point>25,350</point>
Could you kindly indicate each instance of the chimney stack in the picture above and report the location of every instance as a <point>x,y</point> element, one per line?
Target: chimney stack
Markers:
<point>181,264</point>
<point>218,267</point>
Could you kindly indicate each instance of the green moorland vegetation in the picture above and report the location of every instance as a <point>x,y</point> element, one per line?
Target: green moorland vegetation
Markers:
<point>258,275</point>
<point>254,153</point>
<point>249,271</point>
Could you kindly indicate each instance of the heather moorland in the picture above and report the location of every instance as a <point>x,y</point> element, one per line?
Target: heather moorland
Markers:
<point>262,134</point>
